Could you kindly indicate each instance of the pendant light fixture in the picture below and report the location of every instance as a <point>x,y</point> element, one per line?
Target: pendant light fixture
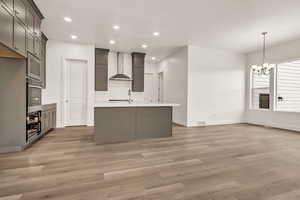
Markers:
<point>265,68</point>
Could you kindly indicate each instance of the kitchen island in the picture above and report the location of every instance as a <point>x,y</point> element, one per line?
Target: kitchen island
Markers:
<point>124,122</point>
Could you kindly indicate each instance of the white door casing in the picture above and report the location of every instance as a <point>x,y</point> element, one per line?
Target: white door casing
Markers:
<point>75,93</point>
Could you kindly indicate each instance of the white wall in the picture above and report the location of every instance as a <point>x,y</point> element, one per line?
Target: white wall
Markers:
<point>174,70</point>
<point>216,86</point>
<point>56,53</point>
<point>287,120</point>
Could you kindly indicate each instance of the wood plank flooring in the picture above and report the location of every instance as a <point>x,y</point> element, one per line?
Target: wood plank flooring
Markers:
<point>233,162</point>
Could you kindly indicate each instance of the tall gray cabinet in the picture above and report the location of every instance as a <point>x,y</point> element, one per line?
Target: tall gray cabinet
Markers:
<point>101,69</point>
<point>21,32</point>
<point>138,70</point>
<point>44,40</point>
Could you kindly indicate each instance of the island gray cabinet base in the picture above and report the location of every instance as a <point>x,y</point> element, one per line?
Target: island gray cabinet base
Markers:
<point>124,124</point>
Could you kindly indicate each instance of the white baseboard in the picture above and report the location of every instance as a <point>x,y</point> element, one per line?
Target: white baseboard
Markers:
<point>213,123</point>
<point>275,125</point>
<point>180,123</point>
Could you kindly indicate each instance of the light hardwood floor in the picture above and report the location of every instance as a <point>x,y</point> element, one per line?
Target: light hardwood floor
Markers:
<point>234,162</point>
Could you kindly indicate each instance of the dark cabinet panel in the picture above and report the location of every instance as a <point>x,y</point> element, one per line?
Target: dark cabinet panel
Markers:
<point>43,60</point>
<point>153,122</point>
<point>9,4</point>
<point>101,69</point>
<point>7,26</point>
<point>101,56</point>
<point>53,124</point>
<point>124,124</point>
<point>30,19</point>
<point>114,125</point>
<point>30,43</point>
<point>138,60</point>
<point>43,124</point>
<point>138,63</point>
<point>48,118</point>
<point>37,26</point>
<point>20,10</point>
<point>37,46</point>
<point>20,37</point>
<point>138,79</point>
<point>101,80</point>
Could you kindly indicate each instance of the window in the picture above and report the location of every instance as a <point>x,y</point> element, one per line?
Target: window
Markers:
<point>288,86</point>
<point>278,91</point>
<point>260,91</point>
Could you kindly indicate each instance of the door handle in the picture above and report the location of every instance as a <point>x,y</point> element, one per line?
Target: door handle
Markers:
<point>67,101</point>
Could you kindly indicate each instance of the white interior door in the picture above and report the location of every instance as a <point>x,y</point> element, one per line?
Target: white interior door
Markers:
<point>76,93</point>
<point>149,94</point>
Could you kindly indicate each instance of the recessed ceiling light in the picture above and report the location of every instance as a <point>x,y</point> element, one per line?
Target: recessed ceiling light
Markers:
<point>116,27</point>
<point>112,42</point>
<point>153,58</point>
<point>74,37</point>
<point>156,33</point>
<point>145,46</point>
<point>67,19</point>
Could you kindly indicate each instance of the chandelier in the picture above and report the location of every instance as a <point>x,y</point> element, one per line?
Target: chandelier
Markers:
<point>265,68</point>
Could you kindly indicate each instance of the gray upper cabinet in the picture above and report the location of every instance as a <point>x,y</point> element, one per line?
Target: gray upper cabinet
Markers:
<point>101,69</point>
<point>138,65</point>
<point>9,4</point>
<point>138,79</point>
<point>138,59</point>
<point>33,21</point>
<point>43,60</point>
<point>37,47</point>
<point>30,43</point>
<point>20,28</point>
<point>20,10</point>
<point>101,56</point>
<point>20,37</point>
<point>7,26</point>
<point>30,20</point>
<point>37,26</point>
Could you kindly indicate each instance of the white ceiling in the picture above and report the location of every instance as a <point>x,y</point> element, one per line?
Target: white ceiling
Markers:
<point>227,24</point>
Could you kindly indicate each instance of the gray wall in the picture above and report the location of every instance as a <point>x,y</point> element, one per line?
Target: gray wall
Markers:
<point>12,104</point>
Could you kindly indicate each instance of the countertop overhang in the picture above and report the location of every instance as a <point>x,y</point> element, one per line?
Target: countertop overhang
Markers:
<point>133,104</point>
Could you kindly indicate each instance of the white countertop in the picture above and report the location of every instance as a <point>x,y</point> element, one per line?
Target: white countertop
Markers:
<point>106,104</point>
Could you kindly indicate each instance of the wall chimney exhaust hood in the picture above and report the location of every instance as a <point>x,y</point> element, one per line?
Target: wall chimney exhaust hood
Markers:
<point>120,76</point>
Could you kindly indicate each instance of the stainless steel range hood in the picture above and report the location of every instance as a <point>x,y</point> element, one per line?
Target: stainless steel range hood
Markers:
<point>120,76</point>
